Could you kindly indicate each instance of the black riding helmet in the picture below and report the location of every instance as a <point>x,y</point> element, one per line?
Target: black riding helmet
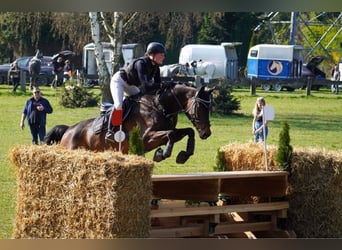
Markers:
<point>155,48</point>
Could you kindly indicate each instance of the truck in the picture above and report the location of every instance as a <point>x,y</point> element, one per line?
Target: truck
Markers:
<point>89,66</point>
<point>283,65</point>
<point>224,57</point>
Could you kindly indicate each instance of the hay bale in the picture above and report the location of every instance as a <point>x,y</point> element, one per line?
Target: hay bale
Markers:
<point>315,185</point>
<point>249,156</point>
<point>81,194</point>
<point>316,193</point>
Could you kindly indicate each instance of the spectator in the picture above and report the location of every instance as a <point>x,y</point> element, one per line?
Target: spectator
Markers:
<point>67,71</point>
<point>58,70</point>
<point>259,124</point>
<point>35,110</point>
<point>14,74</point>
<point>335,74</point>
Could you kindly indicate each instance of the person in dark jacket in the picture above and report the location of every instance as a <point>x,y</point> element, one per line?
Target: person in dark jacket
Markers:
<point>140,76</point>
<point>35,111</point>
<point>14,74</point>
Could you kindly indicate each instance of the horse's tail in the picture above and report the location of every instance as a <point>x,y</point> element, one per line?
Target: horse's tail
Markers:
<point>54,136</point>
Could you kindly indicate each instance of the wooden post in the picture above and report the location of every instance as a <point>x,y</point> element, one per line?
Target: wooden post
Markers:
<point>252,87</point>
<point>308,86</point>
<point>23,80</point>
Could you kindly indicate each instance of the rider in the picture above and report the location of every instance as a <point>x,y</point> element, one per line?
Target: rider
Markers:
<point>144,72</point>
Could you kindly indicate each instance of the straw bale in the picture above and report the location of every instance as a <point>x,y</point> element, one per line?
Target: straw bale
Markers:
<point>81,194</point>
<point>316,193</point>
<point>315,185</point>
<point>249,156</point>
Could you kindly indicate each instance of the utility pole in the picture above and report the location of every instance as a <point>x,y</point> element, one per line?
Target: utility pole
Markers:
<point>293,28</point>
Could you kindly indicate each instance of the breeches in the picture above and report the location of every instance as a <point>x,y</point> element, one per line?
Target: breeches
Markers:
<point>119,87</point>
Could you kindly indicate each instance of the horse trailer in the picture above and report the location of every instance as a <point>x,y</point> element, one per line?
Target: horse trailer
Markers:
<point>129,52</point>
<point>267,61</point>
<point>224,57</point>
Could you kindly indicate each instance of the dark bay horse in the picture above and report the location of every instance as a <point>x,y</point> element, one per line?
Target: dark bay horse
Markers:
<point>157,117</point>
<point>34,68</point>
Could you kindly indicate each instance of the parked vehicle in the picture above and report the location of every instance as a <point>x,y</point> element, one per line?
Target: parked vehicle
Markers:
<point>283,62</point>
<point>46,73</point>
<point>223,56</point>
<point>89,66</point>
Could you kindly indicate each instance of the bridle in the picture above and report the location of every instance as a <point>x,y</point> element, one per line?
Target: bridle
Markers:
<point>192,108</point>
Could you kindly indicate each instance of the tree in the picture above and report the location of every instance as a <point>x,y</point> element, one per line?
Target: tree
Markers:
<point>103,72</point>
<point>284,153</point>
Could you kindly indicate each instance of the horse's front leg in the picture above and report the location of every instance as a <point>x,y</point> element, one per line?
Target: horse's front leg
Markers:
<point>168,138</point>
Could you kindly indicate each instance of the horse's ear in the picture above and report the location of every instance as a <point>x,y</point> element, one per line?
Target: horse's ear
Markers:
<point>210,89</point>
<point>207,89</point>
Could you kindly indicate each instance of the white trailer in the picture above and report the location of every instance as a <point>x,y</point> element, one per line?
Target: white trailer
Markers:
<point>223,56</point>
<point>129,52</point>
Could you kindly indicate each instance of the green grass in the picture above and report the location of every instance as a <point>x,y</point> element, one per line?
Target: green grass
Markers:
<point>315,121</point>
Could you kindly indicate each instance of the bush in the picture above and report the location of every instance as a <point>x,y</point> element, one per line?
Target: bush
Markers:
<point>220,161</point>
<point>77,96</point>
<point>136,145</point>
<point>284,153</point>
<point>223,102</point>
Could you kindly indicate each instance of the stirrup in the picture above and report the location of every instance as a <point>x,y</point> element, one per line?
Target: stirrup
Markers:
<point>110,136</point>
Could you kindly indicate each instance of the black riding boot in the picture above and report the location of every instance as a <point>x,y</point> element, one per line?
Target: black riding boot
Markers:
<point>110,133</point>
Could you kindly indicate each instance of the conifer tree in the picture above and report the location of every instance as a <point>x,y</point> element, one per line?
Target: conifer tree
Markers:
<point>284,153</point>
<point>136,145</point>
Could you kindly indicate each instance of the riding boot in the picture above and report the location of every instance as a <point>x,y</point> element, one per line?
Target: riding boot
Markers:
<point>115,119</point>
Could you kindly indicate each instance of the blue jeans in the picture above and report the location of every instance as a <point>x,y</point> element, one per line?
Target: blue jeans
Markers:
<point>37,131</point>
<point>260,136</point>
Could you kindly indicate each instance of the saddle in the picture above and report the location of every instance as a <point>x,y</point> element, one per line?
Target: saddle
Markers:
<point>100,123</point>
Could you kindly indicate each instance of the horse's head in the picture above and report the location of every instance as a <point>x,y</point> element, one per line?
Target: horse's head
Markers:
<point>194,103</point>
<point>198,111</point>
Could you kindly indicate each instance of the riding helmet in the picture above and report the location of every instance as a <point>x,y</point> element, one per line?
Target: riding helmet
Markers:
<point>155,48</point>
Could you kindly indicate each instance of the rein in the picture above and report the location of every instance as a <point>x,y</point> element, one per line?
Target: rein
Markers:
<point>190,112</point>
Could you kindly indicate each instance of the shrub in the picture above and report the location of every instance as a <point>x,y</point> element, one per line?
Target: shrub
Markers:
<point>220,161</point>
<point>284,153</point>
<point>136,145</point>
<point>223,102</point>
<point>77,96</point>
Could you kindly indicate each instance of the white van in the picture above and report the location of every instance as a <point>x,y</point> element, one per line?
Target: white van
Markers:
<point>223,56</point>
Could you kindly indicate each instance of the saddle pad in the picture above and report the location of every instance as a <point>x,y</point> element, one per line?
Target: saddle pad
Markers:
<point>100,122</point>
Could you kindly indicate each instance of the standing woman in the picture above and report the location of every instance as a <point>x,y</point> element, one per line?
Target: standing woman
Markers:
<point>141,76</point>
<point>258,124</point>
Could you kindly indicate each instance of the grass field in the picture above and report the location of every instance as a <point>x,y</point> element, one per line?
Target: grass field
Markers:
<point>315,121</point>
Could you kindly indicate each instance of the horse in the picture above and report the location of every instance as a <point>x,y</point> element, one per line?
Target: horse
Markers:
<point>172,70</point>
<point>157,116</point>
<point>205,69</point>
<point>55,134</point>
<point>34,68</point>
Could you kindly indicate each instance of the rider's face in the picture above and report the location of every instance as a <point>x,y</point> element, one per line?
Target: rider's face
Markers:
<point>159,58</point>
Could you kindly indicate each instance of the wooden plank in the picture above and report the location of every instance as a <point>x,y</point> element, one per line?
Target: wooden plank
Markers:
<point>201,190</point>
<point>178,232</point>
<point>217,175</point>
<point>265,186</point>
<point>179,211</point>
<point>243,227</point>
<point>207,186</point>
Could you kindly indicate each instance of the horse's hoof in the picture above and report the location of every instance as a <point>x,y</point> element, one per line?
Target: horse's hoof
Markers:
<point>182,157</point>
<point>158,155</point>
